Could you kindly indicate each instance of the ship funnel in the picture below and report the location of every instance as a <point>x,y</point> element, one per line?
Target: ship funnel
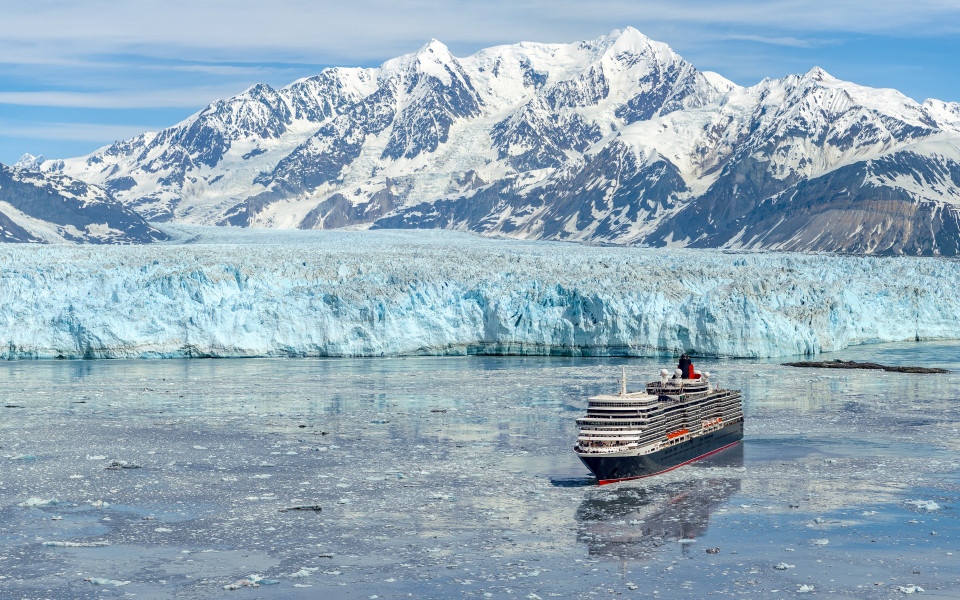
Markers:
<point>686,367</point>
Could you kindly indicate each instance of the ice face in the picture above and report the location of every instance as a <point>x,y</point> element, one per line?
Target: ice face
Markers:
<point>439,292</point>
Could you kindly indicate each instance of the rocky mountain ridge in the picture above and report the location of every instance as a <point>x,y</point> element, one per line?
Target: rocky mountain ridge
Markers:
<point>616,140</point>
<point>54,208</point>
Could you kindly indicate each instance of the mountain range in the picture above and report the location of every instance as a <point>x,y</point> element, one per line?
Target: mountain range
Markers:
<point>55,208</point>
<point>616,140</point>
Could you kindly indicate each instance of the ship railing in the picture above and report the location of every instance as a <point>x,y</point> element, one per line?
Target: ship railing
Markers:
<point>604,449</point>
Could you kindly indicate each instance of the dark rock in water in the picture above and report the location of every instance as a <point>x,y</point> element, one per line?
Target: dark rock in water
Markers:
<point>117,465</point>
<point>852,364</point>
<point>311,507</point>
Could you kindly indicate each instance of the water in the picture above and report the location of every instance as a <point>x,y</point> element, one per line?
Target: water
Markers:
<point>455,477</point>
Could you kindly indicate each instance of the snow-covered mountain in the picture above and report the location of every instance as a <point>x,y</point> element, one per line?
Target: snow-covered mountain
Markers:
<point>54,208</point>
<point>616,140</point>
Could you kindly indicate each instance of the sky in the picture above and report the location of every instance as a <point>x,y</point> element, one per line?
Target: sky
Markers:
<point>75,76</point>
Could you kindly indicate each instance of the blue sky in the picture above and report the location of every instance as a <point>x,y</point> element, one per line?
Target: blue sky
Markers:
<point>77,75</point>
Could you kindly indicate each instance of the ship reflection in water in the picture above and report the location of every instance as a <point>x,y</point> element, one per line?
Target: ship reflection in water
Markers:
<point>632,521</point>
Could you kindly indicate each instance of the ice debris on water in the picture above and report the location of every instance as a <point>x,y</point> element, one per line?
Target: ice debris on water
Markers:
<point>96,457</point>
<point>38,502</point>
<point>76,544</point>
<point>103,581</point>
<point>805,589</point>
<point>927,505</point>
<point>251,581</point>
<point>783,566</point>
<point>24,457</point>
<point>910,589</point>
<point>304,572</point>
<point>820,541</point>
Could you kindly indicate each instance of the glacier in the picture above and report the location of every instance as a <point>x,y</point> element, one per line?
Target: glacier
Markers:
<point>225,292</point>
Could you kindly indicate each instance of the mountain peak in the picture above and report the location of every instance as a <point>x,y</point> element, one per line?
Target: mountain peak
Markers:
<point>629,35</point>
<point>430,59</point>
<point>29,162</point>
<point>818,74</point>
<point>435,47</point>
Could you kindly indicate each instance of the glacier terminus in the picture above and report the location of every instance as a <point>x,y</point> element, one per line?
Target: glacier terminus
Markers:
<point>241,292</point>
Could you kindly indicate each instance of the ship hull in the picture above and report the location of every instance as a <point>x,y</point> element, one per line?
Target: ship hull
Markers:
<point>610,469</point>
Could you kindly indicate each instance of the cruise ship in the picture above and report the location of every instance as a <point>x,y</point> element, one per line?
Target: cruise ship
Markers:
<point>681,418</point>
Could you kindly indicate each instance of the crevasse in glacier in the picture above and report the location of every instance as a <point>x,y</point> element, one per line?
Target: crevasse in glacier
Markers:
<point>386,293</point>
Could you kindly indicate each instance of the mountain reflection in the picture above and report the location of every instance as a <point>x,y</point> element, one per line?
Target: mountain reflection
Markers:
<point>632,522</point>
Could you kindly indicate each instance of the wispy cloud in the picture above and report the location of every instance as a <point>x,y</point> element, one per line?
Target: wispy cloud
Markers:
<point>77,132</point>
<point>366,30</point>
<point>793,42</point>
<point>172,98</point>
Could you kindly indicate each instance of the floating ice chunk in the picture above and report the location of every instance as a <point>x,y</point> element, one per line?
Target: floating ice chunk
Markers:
<point>38,502</point>
<point>24,457</point>
<point>924,504</point>
<point>96,457</point>
<point>200,448</point>
<point>820,542</point>
<point>251,581</point>
<point>910,589</point>
<point>102,581</point>
<point>686,541</point>
<point>783,566</point>
<point>304,572</point>
<point>99,504</point>
<point>77,544</point>
<point>163,530</point>
<point>805,589</point>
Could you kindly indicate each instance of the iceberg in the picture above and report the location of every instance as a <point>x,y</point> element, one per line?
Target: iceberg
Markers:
<point>242,293</point>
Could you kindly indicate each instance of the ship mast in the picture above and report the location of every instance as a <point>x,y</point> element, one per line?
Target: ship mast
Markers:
<point>623,380</point>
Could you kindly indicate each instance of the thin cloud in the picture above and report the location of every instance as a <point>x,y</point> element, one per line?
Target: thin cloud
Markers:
<point>793,42</point>
<point>75,132</point>
<point>172,98</point>
<point>366,30</point>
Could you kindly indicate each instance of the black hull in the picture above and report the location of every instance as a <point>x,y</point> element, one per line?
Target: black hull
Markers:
<point>617,468</point>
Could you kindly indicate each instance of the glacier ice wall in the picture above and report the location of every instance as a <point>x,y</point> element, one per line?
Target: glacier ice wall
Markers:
<point>364,293</point>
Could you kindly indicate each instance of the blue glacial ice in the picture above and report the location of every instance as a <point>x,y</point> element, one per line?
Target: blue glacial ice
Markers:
<point>230,293</point>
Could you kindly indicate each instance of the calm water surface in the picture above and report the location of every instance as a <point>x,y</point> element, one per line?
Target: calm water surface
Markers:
<point>455,477</point>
